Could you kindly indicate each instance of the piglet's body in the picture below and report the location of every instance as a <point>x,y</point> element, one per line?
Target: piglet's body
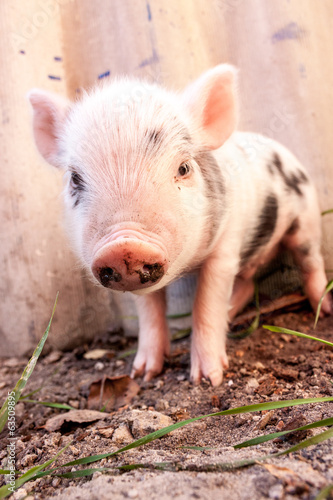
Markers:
<point>158,184</point>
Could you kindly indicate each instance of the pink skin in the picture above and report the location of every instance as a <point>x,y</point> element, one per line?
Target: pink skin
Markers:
<point>135,264</point>
<point>154,345</point>
<point>138,257</point>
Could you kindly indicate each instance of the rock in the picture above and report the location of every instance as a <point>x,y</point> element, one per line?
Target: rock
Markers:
<point>162,404</point>
<point>122,435</point>
<point>144,422</point>
<point>28,459</point>
<point>251,386</point>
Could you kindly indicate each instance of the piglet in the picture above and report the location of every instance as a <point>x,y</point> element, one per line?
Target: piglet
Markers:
<point>158,184</point>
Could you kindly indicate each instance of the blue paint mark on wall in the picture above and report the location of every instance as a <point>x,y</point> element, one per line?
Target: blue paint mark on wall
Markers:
<point>53,77</point>
<point>148,11</point>
<point>291,31</point>
<point>104,75</point>
<point>57,58</point>
<point>150,60</point>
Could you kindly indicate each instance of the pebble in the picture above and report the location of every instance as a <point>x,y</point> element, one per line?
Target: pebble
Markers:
<point>28,459</point>
<point>74,403</point>
<point>276,491</point>
<point>144,422</point>
<point>99,366</point>
<point>133,493</point>
<point>122,435</point>
<point>251,386</point>
<point>162,404</point>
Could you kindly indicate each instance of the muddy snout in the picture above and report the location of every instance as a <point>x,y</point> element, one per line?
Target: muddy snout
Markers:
<point>129,264</point>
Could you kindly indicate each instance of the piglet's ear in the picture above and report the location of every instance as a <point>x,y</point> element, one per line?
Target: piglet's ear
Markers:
<point>49,113</point>
<point>211,103</point>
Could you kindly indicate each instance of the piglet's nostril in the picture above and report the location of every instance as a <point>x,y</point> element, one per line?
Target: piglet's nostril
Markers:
<point>107,274</point>
<point>150,272</point>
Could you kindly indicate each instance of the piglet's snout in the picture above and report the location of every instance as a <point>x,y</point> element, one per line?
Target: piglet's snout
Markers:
<point>129,264</point>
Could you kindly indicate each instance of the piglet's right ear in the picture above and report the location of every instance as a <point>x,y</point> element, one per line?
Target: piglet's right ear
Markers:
<point>49,114</point>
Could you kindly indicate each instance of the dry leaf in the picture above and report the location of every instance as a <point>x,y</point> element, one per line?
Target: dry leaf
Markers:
<point>74,417</point>
<point>280,472</point>
<point>112,392</point>
<point>98,353</point>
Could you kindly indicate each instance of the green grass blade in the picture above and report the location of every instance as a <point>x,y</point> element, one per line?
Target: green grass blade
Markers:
<point>26,372</point>
<point>181,334</point>
<point>166,430</point>
<point>319,438</point>
<point>279,329</point>
<point>124,354</point>
<point>47,403</point>
<point>83,472</point>
<point>38,471</point>
<point>330,211</point>
<point>328,288</point>
<point>274,435</point>
<point>5,491</point>
<point>323,494</point>
<point>181,315</point>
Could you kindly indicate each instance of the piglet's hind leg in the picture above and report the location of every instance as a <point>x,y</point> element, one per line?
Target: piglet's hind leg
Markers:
<point>303,239</point>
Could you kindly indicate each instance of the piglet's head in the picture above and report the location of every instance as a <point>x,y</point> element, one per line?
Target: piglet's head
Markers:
<point>143,193</point>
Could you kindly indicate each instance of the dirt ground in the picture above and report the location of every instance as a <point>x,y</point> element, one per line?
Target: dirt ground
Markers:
<point>263,367</point>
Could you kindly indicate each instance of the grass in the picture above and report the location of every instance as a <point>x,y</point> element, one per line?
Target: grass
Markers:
<point>44,470</point>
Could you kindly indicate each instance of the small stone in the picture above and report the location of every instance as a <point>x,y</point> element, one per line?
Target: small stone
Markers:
<point>161,404</point>
<point>99,366</point>
<point>74,403</point>
<point>251,386</point>
<point>280,425</point>
<point>55,482</point>
<point>74,450</point>
<point>230,383</point>
<point>106,432</point>
<point>144,422</point>
<point>28,459</point>
<point>133,493</point>
<point>19,494</point>
<point>276,492</point>
<point>122,435</point>
<point>265,420</point>
<point>301,358</point>
<point>259,365</point>
<point>53,357</point>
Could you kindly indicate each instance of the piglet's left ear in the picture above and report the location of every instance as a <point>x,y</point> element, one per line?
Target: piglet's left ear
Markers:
<point>211,103</point>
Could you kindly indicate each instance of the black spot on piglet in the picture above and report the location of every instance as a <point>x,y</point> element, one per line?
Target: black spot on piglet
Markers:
<point>292,180</point>
<point>265,228</point>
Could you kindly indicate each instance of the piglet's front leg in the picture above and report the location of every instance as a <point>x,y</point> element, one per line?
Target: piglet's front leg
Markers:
<point>210,321</point>
<point>154,343</point>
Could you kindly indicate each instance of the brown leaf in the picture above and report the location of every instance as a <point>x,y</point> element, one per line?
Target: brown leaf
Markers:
<point>112,392</point>
<point>98,354</point>
<point>73,417</point>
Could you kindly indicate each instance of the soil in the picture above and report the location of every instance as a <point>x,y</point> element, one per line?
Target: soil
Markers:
<point>263,367</point>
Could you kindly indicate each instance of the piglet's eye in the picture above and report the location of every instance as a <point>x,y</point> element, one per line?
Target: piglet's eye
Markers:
<point>183,169</point>
<point>77,187</point>
<point>76,181</point>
